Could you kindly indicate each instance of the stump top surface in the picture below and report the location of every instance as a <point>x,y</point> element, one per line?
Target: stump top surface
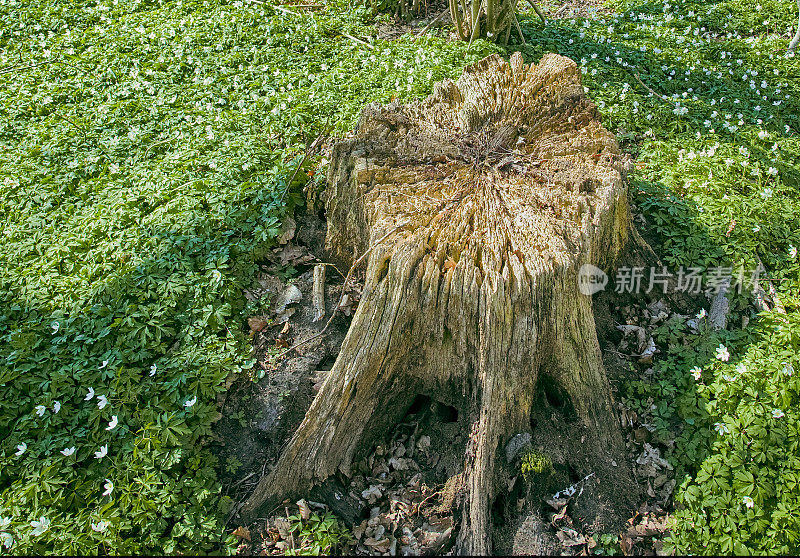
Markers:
<point>509,156</point>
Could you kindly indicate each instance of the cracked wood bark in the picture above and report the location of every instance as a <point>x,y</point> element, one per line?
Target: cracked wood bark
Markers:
<point>498,187</point>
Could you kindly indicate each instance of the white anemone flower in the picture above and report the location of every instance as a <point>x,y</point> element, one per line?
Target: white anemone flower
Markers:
<point>701,314</point>
<point>100,526</point>
<point>722,353</point>
<point>40,526</point>
<point>56,406</point>
<point>153,370</point>
<point>7,539</point>
<point>697,373</point>
<point>40,409</point>
<point>105,363</point>
<point>748,501</point>
<point>21,448</point>
<point>89,394</point>
<point>66,452</point>
<point>777,413</point>
<point>101,401</point>
<point>190,402</point>
<point>113,424</point>
<point>55,326</point>
<point>792,252</point>
<point>100,454</point>
<point>109,486</point>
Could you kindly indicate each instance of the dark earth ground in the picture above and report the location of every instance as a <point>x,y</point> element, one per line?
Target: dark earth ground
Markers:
<point>398,502</point>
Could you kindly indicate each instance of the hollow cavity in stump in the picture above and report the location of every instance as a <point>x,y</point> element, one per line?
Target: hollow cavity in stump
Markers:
<point>478,207</point>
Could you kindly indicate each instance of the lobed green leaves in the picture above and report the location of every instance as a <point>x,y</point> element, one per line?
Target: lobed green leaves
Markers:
<point>145,148</point>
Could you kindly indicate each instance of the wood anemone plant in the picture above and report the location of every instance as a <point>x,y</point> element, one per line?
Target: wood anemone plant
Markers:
<point>487,19</point>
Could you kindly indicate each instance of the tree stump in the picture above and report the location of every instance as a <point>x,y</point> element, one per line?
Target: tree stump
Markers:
<point>477,207</point>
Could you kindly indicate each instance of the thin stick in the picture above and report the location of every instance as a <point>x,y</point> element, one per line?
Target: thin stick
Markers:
<point>281,8</point>
<point>344,290</point>
<point>777,305</point>
<point>18,68</point>
<point>538,11</point>
<point>80,128</point>
<point>561,9</point>
<point>371,47</point>
<point>660,96</point>
<point>434,20</point>
<point>307,153</point>
<point>519,30</point>
<point>154,144</point>
<point>475,25</point>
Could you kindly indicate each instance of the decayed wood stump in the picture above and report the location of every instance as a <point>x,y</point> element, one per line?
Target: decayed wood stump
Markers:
<point>478,206</point>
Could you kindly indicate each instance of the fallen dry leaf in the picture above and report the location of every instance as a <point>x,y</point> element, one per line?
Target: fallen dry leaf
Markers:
<point>242,532</point>
<point>256,323</point>
<point>570,537</point>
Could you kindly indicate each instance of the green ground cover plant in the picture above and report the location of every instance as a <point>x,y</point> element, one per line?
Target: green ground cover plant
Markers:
<point>705,96</point>
<point>145,148</point>
<point>144,152</point>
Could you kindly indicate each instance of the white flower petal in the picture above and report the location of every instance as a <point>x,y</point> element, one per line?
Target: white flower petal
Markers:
<point>113,424</point>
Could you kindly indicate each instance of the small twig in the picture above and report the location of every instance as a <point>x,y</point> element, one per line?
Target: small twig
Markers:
<point>660,96</point>
<point>333,266</point>
<point>307,153</point>
<point>561,10</point>
<point>19,68</point>
<point>281,8</point>
<point>475,25</point>
<point>305,5</point>
<point>80,128</point>
<point>519,30</point>
<point>344,291</point>
<point>240,481</point>
<point>538,11</point>
<point>154,144</point>
<point>777,305</point>
<point>356,39</point>
<point>419,506</point>
<point>430,24</point>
